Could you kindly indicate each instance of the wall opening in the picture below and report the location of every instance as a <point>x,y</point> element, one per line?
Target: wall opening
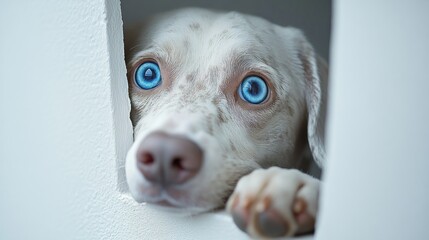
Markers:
<point>314,18</point>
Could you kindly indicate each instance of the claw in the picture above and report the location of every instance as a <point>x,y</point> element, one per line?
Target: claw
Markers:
<point>271,224</point>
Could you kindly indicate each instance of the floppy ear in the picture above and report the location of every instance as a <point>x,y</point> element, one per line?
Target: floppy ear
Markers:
<point>315,72</point>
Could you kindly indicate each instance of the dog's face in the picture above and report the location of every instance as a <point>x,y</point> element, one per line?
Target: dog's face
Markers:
<point>229,97</point>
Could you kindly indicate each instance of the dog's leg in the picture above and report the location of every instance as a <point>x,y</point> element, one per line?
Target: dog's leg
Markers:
<point>275,202</point>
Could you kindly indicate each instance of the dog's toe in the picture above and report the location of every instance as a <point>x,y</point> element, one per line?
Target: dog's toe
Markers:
<point>304,219</point>
<point>240,214</point>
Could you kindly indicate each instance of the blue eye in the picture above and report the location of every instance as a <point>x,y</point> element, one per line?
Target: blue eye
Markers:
<point>148,75</point>
<point>253,89</point>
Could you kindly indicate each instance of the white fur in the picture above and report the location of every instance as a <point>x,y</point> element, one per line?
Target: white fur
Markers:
<point>203,56</point>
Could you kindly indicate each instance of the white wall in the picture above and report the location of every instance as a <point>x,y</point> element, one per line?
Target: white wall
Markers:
<point>64,127</point>
<point>64,130</point>
<point>376,181</point>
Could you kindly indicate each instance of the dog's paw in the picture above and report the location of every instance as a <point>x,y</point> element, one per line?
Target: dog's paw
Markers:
<point>275,202</point>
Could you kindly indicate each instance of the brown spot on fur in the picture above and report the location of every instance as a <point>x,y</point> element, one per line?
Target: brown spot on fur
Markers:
<point>216,101</point>
<point>233,148</point>
<point>260,40</point>
<point>210,127</point>
<point>186,44</point>
<point>256,123</point>
<point>286,104</point>
<point>199,86</point>
<point>195,26</point>
<point>268,60</point>
<point>225,34</point>
<point>191,77</point>
<point>306,67</point>
<point>220,115</point>
<point>212,74</point>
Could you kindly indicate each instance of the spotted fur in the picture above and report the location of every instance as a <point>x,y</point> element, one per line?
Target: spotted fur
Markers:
<point>203,57</point>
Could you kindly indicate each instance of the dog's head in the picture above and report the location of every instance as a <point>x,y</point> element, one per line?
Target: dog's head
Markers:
<point>215,96</point>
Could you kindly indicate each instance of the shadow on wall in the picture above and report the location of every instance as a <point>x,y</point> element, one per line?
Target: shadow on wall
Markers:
<point>313,17</point>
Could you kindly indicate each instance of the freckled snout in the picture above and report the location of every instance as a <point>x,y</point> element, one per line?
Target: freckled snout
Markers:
<point>168,159</point>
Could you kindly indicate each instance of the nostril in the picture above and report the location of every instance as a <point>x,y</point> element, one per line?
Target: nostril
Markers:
<point>146,163</point>
<point>147,158</point>
<point>177,163</point>
<point>184,159</point>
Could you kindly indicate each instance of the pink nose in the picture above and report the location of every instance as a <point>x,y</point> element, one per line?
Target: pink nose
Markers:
<point>168,159</point>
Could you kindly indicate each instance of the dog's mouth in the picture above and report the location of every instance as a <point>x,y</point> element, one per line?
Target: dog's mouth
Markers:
<point>170,170</point>
<point>173,170</point>
<point>166,203</point>
<point>171,197</point>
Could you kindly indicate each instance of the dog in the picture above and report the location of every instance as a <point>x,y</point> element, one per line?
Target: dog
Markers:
<point>228,110</point>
